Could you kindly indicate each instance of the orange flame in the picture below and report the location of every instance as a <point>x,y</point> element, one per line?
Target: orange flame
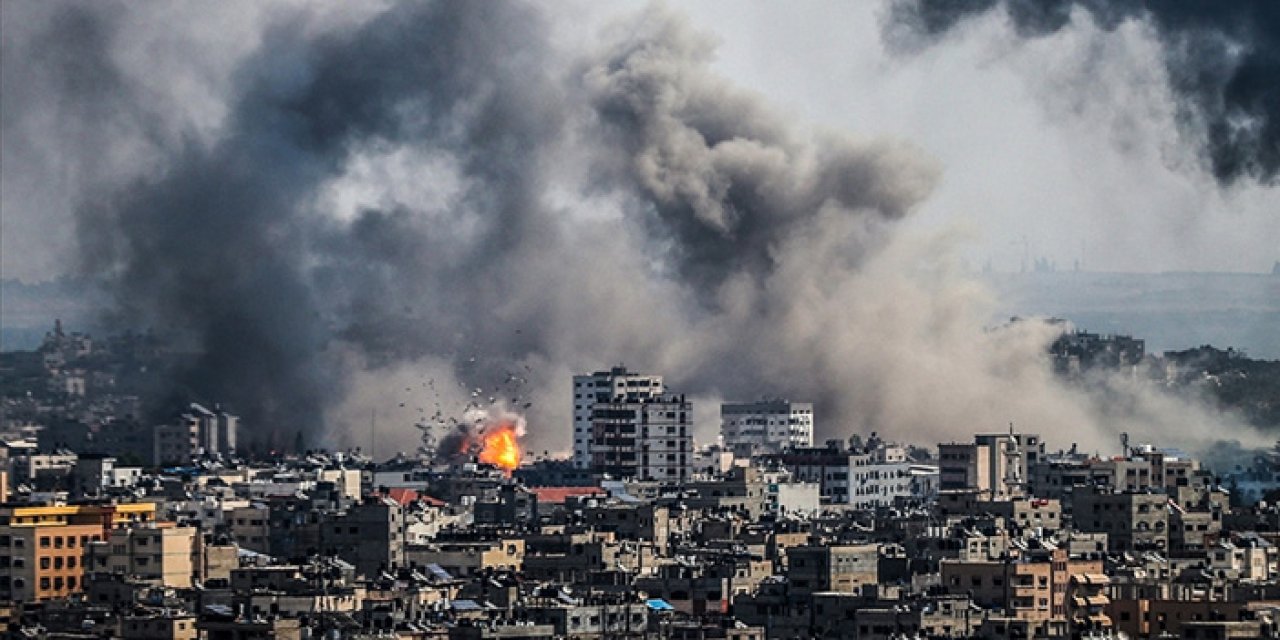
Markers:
<point>499,447</point>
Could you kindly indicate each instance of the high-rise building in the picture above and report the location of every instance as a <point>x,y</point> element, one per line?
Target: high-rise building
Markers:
<point>616,384</point>
<point>627,425</point>
<point>768,426</point>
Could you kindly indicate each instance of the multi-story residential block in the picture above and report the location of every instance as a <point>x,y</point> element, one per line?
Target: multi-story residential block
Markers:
<point>42,470</point>
<point>614,385</point>
<point>1132,521</point>
<point>369,535</point>
<point>637,430</point>
<point>43,561</point>
<point>1029,585</point>
<point>880,475</point>
<point>42,548</point>
<point>92,473</point>
<point>994,466</point>
<point>767,426</point>
<point>177,442</point>
<point>466,558</point>
<point>1086,604</point>
<point>194,432</point>
<point>159,555</point>
<point>845,568</point>
<point>883,476</point>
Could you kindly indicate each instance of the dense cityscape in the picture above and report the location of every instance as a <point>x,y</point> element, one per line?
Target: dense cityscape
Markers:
<point>112,526</point>
<point>603,319</point>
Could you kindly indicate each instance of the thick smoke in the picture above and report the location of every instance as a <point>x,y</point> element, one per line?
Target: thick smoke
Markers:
<point>715,171</point>
<point>438,199</point>
<point>224,245</point>
<point>1221,59</point>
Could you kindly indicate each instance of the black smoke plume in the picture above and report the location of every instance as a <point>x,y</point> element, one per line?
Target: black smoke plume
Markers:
<point>1222,61</point>
<point>224,245</point>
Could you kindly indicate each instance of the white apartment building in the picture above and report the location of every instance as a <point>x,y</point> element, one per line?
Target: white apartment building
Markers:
<point>884,476</point>
<point>616,384</point>
<point>768,426</point>
<point>648,439</point>
<point>878,476</point>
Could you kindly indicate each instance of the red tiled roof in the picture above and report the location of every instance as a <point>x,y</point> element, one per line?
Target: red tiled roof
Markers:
<point>402,495</point>
<point>558,495</point>
<point>406,495</point>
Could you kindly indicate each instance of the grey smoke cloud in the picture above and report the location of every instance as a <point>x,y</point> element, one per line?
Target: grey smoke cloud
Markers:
<point>1221,60</point>
<point>717,172</point>
<point>438,193</point>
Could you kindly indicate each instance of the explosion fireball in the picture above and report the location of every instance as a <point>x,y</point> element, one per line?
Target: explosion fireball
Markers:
<point>499,446</point>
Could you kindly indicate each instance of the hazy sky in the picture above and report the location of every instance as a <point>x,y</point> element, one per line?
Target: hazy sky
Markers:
<point>1063,146</point>
<point>1067,142</point>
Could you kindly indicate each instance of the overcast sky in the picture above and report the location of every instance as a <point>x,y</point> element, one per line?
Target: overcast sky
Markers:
<point>1067,142</point>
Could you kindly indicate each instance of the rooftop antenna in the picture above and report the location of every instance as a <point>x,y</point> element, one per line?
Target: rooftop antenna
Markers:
<point>1013,463</point>
<point>1124,443</point>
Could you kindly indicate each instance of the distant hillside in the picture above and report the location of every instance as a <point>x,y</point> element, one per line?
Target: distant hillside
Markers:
<point>1169,310</point>
<point>27,311</point>
<point>1248,385</point>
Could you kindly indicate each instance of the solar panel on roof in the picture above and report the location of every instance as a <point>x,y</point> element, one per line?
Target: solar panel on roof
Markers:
<point>438,572</point>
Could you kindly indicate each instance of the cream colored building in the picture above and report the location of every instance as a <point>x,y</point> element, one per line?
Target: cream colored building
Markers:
<point>42,548</point>
<point>159,555</point>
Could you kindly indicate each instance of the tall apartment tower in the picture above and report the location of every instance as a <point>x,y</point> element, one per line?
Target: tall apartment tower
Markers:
<point>604,386</point>
<point>768,426</point>
<point>627,425</point>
